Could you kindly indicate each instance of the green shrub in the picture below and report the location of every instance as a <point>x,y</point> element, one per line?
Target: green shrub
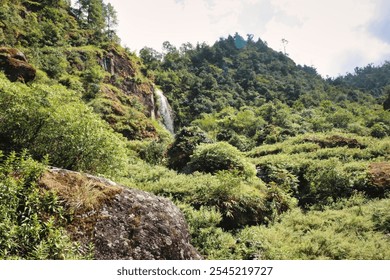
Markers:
<point>30,218</point>
<point>211,241</point>
<point>379,130</point>
<point>53,62</point>
<point>349,233</point>
<point>381,217</point>
<point>72,82</point>
<point>186,140</point>
<point>50,120</point>
<point>92,78</point>
<point>241,142</point>
<point>153,152</point>
<point>340,119</point>
<point>327,182</point>
<point>240,203</point>
<point>211,158</point>
<point>277,202</point>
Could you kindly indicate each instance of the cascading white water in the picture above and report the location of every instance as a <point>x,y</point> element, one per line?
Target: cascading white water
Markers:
<point>165,111</point>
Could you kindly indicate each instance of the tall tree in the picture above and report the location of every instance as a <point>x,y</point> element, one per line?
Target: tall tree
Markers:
<point>92,12</point>
<point>95,18</point>
<point>111,20</point>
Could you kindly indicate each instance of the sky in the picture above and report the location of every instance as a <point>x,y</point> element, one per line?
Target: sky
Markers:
<point>334,36</point>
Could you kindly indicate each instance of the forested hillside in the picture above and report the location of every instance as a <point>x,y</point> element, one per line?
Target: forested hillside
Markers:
<point>268,160</point>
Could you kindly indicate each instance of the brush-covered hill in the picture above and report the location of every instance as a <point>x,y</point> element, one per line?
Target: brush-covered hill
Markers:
<point>319,147</point>
<point>268,160</point>
<point>236,72</point>
<point>73,98</point>
<point>240,90</point>
<point>78,48</point>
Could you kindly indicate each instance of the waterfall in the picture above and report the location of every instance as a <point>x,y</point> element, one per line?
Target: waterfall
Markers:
<point>165,111</point>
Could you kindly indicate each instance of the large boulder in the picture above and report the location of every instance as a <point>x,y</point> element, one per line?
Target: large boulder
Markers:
<point>120,223</point>
<point>15,66</point>
<point>379,176</point>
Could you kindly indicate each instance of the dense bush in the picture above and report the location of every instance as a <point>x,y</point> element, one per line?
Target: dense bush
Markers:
<point>153,152</point>
<point>350,233</point>
<point>327,182</point>
<point>31,219</point>
<point>53,62</point>
<point>91,79</point>
<point>212,241</point>
<point>239,201</point>
<point>186,140</point>
<point>381,217</point>
<point>211,158</point>
<point>50,120</point>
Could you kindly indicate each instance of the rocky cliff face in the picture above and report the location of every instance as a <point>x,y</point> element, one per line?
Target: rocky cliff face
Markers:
<point>120,223</point>
<point>124,96</point>
<point>126,76</point>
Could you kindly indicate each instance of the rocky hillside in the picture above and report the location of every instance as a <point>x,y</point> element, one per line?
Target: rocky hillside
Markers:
<point>68,79</point>
<point>78,48</point>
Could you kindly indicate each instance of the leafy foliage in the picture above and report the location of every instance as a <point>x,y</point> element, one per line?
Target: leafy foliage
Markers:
<point>186,141</point>
<point>371,78</point>
<point>205,79</point>
<point>53,121</point>
<point>56,23</point>
<point>211,158</point>
<point>331,234</point>
<point>31,219</point>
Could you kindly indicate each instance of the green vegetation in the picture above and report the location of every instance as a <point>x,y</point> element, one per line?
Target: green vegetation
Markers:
<point>211,158</point>
<point>348,233</point>
<point>186,140</point>
<point>32,219</point>
<point>270,161</point>
<point>51,120</point>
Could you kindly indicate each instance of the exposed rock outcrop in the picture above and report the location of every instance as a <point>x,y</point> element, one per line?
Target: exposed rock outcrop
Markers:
<point>336,141</point>
<point>15,66</point>
<point>120,222</point>
<point>379,175</point>
<point>121,68</point>
<point>126,97</point>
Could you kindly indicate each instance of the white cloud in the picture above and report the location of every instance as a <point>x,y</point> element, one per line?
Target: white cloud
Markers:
<point>331,35</point>
<point>150,23</point>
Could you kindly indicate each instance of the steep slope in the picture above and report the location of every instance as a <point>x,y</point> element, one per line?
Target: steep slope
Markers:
<point>66,46</point>
<point>72,96</point>
<point>243,92</point>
